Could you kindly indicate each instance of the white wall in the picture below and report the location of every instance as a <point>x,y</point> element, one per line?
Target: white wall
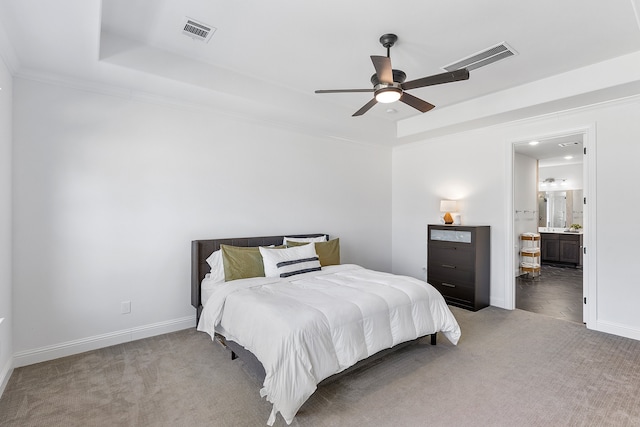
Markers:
<point>110,191</point>
<point>6,333</point>
<point>572,174</point>
<point>477,162</point>
<point>447,168</point>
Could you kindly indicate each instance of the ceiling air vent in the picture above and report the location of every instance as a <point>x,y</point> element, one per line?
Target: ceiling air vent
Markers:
<point>485,57</point>
<point>197,30</point>
<point>568,144</point>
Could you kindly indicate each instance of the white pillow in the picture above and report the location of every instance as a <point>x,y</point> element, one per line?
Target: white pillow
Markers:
<point>304,239</point>
<point>289,261</point>
<point>217,267</point>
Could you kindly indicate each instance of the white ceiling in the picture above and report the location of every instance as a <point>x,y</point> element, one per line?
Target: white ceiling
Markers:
<point>554,151</point>
<point>265,59</point>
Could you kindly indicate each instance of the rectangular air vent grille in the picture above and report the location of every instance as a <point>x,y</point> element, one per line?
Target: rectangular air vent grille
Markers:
<point>485,57</point>
<point>197,30</point>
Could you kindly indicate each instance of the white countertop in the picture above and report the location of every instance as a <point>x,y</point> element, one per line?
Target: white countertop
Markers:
<point>557,230</point>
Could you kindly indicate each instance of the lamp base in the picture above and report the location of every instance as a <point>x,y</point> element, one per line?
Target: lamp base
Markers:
<point>448,219</point>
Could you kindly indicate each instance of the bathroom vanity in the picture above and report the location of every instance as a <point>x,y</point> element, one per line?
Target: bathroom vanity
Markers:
<point>561,247</point>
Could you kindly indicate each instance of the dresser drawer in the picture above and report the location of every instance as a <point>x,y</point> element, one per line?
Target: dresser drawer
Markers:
<point>451,273</point>
<point>460,257</point>
<point>449,290</point>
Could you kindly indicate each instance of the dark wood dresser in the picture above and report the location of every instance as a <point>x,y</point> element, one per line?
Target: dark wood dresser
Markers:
<point>458,264</point>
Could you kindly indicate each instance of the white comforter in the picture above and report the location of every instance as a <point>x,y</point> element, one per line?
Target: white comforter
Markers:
<point>308,327</point>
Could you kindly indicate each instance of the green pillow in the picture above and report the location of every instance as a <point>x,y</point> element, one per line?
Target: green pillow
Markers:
<point>241,262</point>
<point>328,252</point>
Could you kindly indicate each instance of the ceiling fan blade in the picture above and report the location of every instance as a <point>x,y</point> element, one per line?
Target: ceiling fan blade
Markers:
<point>344,90</point>
<point>416,103</point>
<point>366,108</point>
<point>382,65</point>
<point>448,77</point>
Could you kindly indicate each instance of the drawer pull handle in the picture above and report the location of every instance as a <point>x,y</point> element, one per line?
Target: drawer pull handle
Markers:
<point>448,285</point>
<point>448,266</point>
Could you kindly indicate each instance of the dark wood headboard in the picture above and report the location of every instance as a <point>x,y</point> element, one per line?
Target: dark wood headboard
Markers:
<point>201,249</point>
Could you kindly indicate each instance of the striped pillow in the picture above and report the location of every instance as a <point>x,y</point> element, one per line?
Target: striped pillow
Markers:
<point>290,261</point>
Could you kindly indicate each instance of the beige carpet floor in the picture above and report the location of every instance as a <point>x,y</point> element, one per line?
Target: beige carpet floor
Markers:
<point>511,368</point>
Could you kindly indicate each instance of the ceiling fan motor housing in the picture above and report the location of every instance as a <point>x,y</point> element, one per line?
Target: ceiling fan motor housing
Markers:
<point>399,76</point>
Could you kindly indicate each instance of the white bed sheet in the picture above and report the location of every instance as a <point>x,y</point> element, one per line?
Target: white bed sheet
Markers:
<point>207,287</point>
<point>306,328</point>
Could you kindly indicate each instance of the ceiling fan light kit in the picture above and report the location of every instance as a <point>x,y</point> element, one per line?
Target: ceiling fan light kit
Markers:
<point>389,84</point>
<point>388,94</point>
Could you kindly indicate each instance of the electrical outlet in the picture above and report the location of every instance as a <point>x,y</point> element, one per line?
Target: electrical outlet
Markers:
<point>125,307</point>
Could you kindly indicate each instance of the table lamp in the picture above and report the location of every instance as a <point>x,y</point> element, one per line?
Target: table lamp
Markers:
<point>448,206</point>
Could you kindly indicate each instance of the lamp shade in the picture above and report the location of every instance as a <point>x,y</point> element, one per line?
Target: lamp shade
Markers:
<point>448,206</point>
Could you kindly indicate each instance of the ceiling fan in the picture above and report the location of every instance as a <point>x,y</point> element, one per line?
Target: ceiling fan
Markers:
<point>389,85</point>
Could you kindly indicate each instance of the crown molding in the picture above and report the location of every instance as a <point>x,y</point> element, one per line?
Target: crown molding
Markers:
<point>555,114</point>
<point>7,53</point>
<point>221,108</point>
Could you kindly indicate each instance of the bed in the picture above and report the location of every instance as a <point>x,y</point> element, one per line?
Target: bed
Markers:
<point>320,320</point>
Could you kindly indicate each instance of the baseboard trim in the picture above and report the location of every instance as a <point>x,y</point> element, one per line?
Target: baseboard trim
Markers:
<point>5,374</point>
<point>497,302</point>
<point>43,354</point>
<point>616,329</point>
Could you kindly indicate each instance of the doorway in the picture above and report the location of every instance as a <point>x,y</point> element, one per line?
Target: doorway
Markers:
<point>549,181</point>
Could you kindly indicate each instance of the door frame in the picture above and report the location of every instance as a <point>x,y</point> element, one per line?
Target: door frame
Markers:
<point>589,283</point>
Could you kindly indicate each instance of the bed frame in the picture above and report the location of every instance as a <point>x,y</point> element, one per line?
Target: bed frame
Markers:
<point>200,251</point>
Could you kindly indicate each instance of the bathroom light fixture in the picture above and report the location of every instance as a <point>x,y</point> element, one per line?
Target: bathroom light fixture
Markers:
<point>448,206</point>
<point>553,182</point>
<point>534,142</point>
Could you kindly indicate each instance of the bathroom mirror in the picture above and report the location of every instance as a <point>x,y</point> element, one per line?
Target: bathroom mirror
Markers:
<point>559,209</point>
